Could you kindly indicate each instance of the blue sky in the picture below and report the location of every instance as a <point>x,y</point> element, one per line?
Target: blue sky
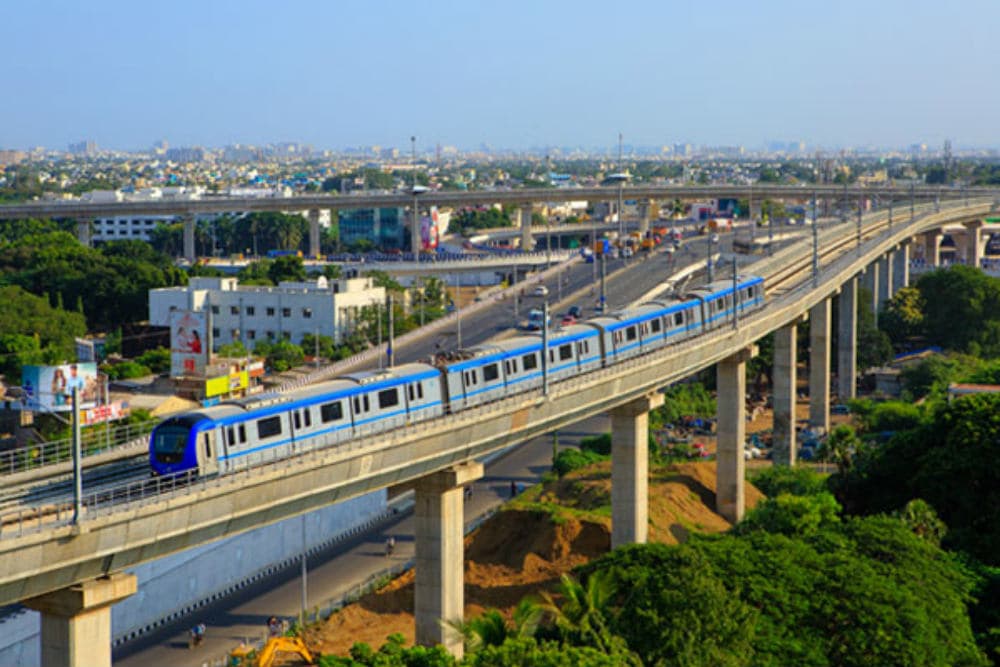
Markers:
<point>509,74</point>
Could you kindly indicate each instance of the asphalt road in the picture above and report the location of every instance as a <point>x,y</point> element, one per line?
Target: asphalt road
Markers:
<point>337,571</point>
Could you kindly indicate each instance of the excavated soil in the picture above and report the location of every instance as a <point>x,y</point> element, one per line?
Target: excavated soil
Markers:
<point>523,550</point>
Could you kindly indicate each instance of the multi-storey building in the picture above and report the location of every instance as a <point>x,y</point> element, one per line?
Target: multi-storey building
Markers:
<point>254,313</point>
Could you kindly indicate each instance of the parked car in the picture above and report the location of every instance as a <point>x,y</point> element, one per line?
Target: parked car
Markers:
<point>575,312</point>
<point>840,409</point>
<point>541,290</point>
<point>567,320</point>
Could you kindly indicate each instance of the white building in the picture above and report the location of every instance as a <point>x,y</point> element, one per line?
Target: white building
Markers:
<point>136,227</point>
<point>255,313</point>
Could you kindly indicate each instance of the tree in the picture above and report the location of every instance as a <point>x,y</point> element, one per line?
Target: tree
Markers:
<point>903,316</point>
<point>581,617</point>
<point>280,356</point>
<point>33,332</point>
<point>874,347</point>
<point>288,268</point>
<point>962,294</point>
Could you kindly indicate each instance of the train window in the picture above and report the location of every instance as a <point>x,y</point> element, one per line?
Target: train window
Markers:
<point>552,356</point>
<point>232,439</point>
<point>409,392</point>
<point>388,398</point>
<point>297,419</point>
<point>420,390</point>
<point>631,333</point>
<point>268,428</point>
<point>529,362</point>
<point>243,433</point>
<point>307,418</point>
<point>491,372</point>
<point>357,405</point>
<point>207,439</point>
<point>367,405</point>
<point>331,412</point>
<point>565,352</point>
<point>655,325</point>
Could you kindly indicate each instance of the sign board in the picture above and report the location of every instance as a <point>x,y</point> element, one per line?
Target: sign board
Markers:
<point>50,388</point>
<point>188,342</point>
<point>225,384</point>
<point>103,413</point>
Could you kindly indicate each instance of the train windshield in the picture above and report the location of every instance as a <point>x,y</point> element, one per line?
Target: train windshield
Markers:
<point>169,443</point>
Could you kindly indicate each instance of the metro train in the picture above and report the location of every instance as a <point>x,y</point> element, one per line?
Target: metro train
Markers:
<point>249,431</point>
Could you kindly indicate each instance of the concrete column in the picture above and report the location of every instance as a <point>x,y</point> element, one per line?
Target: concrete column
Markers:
<point>84,231</point>
<point>847,340</point>
<point>730,464</point>
<point>189,251</point>
<point>973,247</point>
<point>870,281</point>
<point>884,281</point>
<point>784,395</point>
<point>439,593</point>
<point>645,217</point>
<point>527,240</point>
<point>415,229</point>
<point>901,267</point>
<point>76,621</point>
<point>630,470</point>
<point>932,247</point>
<point>314,250</point>
<point>819,366</point>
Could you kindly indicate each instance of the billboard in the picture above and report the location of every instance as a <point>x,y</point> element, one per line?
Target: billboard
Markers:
<point>430,230</point>
<point>188,342</point>
<point>50,388</point>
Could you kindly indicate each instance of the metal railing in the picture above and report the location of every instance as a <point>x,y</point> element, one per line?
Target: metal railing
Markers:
<point>94,441</point>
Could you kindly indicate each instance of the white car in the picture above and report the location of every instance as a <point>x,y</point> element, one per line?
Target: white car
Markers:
<point>541,290</point>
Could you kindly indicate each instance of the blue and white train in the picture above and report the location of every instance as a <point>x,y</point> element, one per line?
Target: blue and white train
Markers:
<point>248,431</point>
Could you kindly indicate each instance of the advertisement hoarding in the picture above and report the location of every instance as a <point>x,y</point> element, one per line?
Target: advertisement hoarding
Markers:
<point>188,342</point>
<point>50,388</point>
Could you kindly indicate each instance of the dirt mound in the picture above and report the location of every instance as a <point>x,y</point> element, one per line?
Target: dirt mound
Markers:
<point>550,529</point>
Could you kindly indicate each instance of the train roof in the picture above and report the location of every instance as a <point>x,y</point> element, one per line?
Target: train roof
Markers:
<point>723,286</point>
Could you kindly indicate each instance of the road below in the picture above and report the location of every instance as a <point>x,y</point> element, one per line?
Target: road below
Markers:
<point>338,571</point>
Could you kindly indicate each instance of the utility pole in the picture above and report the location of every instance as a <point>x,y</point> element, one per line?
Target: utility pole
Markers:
<point>890,207</point>
<point>545,347</point>
<point>815,266</point>
<point>305,596</point>
<point>604,276</point>
<point>388,349</point>
<point>708,266</point>
<point>736,295</point>
<point>77,459</point>
<point>860,205</point>
<point>378,339</point>
<point>913,202</point>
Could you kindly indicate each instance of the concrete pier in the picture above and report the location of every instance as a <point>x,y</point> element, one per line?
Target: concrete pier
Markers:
<point>645,216</point>
<point>630,470</point>
<point>884,282</point>
<point>932,247</point>
<point>439,589</point>
<point>731,381</point>
<point>84,231</point>
<point>819,366</point>
<point>784,395</point>
<point>901,267</point>
<point>527,240</point>
<point>847,340</point>
<point>189,251</point>
<point>314,244</point>
<point>870,281</point>
<point>973,244</point>
<point>76,621</point>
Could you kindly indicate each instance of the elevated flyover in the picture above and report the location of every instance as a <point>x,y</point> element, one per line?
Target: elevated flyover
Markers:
<point>144,522</point>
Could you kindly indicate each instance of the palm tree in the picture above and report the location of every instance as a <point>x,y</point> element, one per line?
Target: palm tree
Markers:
<point>491,629</point>
<point>581,616</point>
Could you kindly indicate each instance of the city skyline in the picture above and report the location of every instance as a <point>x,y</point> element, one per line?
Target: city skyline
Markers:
<point>888,75</point>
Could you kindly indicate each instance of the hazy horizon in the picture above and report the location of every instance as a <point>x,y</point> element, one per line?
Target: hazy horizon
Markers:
<point>512,76</point>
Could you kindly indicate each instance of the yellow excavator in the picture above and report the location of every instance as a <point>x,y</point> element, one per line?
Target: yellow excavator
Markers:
<point>245,656</point>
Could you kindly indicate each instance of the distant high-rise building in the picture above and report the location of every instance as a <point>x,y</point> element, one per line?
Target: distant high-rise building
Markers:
<point>86,147</point>
<point>195,154</point>
<point>160,147</point>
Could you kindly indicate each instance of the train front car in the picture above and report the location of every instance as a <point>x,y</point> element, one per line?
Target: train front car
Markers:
<point>172,445</point>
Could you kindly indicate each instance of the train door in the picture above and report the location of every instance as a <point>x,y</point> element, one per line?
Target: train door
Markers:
<point>209,444</point>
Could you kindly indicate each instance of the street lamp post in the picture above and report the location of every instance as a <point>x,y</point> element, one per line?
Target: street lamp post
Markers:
<point>861,203</point>
<point>708,261</point>
<point>604,275</point>
<point>815,262</point>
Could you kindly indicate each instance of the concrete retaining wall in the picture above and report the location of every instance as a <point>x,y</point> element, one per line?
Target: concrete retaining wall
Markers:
<point>174,586</point>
